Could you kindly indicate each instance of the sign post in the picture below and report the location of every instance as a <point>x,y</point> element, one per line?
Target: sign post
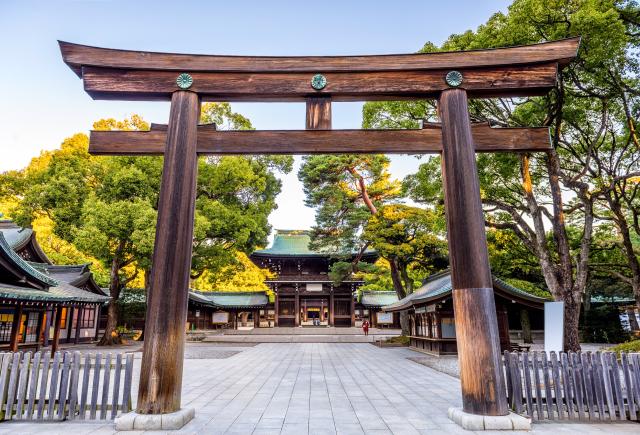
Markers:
<point>553,327</point>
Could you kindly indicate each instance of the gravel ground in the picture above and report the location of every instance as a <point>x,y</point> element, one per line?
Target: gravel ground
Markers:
<point>191,351</point>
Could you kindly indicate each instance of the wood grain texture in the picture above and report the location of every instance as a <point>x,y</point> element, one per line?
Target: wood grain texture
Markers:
<point>481,378</point>
<point>318,113</point>
<point>77,55</point>
<point>162,360</point>
<point>429,140</point>
<point>146,85</point>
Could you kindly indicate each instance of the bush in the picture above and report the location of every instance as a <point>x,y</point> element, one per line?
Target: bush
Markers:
<point>601,324</point>
<point>402,339</point>
<point>630,346</point>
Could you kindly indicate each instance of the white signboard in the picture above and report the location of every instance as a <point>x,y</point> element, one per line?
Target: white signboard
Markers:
<point>553,326</point>
<point>314,287</point>
<point>384,317</point>
<point>220,317</point>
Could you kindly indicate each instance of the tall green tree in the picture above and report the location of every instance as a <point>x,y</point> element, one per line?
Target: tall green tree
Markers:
<point>346,190</point>
<point>106,206</point>
<point>411,238</point>
<point>357,208</point>
<point>533,194</point>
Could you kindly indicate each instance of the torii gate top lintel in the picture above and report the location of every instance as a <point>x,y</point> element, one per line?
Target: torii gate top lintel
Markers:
<point>141,75</point>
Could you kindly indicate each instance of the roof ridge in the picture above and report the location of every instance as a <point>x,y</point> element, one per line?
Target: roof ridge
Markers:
<point>24,265</point>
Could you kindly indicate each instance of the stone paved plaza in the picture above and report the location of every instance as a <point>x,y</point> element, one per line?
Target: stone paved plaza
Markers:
<point>313,388</point>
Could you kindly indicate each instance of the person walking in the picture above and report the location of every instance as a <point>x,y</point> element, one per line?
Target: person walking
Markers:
<point>365,327</point>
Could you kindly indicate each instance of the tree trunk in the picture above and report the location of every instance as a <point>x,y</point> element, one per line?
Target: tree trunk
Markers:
<point>404,323</point>
<point>399,289</point>
<point>620,220</point>
<point>525,323</point>
<point>586,302</point>
<point>571,319</point>
<point>408,282</point>
<point>111,336</point>
<point>147,274</point>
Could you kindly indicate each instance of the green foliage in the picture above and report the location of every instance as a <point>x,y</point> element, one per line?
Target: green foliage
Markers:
<point>591,113</point>
<point>601,324</point>
<point>628,347</point>
<point>355,200</point>
<point>529,287</point>
<point>401,339</point>
<point>377,276</point>
<point>106,206</point>
<point>132,306</point>
<point>117,230</point>
<point>332,185</point>
<point>410,236</point>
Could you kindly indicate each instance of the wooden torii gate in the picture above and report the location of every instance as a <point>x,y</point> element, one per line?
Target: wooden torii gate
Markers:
<point>449,77</point>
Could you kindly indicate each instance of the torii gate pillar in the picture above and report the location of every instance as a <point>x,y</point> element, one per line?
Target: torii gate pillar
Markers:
<point>161,370</point>
<point>474,307</point>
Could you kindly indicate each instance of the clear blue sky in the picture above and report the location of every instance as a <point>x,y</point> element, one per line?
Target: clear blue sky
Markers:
<point>42,101</point>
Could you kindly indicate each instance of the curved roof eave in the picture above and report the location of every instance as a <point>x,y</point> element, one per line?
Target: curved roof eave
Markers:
<point>77,56</point>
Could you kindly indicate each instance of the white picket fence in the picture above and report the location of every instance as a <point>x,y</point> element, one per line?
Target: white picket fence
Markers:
<point>68,385</point>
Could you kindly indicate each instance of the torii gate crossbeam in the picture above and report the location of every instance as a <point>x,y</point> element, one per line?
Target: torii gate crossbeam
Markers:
<point>451,78</point>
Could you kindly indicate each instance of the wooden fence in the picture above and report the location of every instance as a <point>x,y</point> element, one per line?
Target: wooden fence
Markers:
<point>66,386</point>
<point>574,386</point>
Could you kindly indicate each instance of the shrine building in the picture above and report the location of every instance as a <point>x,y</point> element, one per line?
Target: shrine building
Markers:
<point>42,303</point>
<point>432,328</point>
<point>305,295</point>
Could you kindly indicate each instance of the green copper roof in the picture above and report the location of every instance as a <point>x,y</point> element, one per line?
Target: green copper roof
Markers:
<point>438,287</point>
<point>61,293</point>
<point>14,235</point>
<point>295,243</point>
<point>231,299</point>
<point>375,299</point>
<point>23,265</point>
<point>290,242</point>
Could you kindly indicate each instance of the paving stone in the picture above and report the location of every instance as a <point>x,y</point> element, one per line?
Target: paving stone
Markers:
<point>320,388</point>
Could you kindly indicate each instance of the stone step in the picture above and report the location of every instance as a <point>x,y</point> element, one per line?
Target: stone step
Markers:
<point>315,338</point>
<point>305,330</point>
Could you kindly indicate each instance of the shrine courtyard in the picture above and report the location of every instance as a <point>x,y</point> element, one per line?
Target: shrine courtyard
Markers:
<point>311,388</point>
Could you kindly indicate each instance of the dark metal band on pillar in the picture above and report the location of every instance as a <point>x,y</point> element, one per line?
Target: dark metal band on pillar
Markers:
<point>477,336</point>
<point>162,360</point>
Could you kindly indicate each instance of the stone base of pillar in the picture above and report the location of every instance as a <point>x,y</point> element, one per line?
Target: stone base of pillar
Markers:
<point>172,421</point>
<point>475,422</point>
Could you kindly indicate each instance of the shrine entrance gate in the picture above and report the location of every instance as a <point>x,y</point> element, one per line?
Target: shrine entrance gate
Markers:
<point>450,78</point>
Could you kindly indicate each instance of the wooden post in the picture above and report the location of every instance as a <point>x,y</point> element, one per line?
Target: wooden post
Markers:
<point>162,360</point>
<point>297,304</point>
<point>256,318</point>
<point>78,323</point>
<point>276,310</point>
<point>331,309</point>
<point>56,330</point>
<point>481,379</point>
<point>15,328</point>
<point>70,314</point>
<point>318,113</point>
<point>353,311</point>
<point>47,326</point>
<point>40,327</point>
